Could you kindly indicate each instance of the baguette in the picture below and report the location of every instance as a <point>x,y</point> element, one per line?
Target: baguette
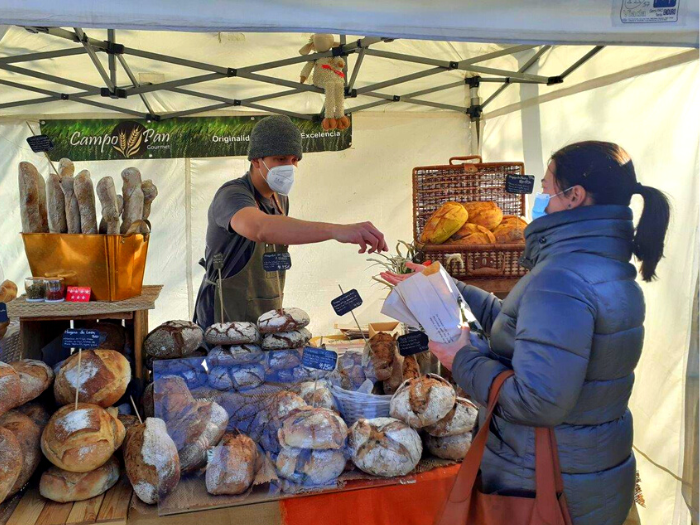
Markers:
<point>72,207</point>
<point>32,194</point>
<point>56,203</point>
<point>85,193</point>
<point>107,194</point>
<point>66,168</point>
<point>150,192</point>
<point>133,198</point>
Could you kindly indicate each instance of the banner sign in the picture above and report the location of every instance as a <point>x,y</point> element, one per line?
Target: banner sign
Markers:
<point>114,139</point>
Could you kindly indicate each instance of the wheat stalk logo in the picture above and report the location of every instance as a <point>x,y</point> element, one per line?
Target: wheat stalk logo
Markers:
<point>129,147</point>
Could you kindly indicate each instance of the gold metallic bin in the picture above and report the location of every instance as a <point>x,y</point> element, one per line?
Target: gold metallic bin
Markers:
<point>112,265</point>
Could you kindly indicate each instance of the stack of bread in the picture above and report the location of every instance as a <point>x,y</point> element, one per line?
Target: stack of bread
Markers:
<point>65,202</point>
<point>284,336</point>
<point>451,437</point>
<point>232,465</point>
<point>235,361</point>
<point>384,446</point>
<point>312,446</point>
<point>174,340</point>
<point>473,223</point>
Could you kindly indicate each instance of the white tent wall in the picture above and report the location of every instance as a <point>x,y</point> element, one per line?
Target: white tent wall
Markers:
<point>654,117</point>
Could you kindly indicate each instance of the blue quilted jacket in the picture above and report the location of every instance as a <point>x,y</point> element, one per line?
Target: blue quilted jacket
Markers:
<point>572,330</point>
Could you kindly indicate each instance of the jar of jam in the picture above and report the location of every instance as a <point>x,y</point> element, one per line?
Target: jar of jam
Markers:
<point>35,288</point>
<point>55,290</point>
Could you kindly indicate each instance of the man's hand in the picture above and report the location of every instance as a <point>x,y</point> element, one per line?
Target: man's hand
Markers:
<point>446,352</point>
<point>395,278</point>
<point>362,234</point>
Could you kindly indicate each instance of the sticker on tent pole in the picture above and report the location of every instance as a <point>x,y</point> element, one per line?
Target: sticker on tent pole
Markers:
<point>40,143</point>
<point>648,11</point>
<point>520,184</point>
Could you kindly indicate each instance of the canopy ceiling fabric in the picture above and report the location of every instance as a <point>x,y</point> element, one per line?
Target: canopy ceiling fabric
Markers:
<point>538,22</point>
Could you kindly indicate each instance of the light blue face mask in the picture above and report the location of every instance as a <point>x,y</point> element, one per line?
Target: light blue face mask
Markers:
<point>541,202</point>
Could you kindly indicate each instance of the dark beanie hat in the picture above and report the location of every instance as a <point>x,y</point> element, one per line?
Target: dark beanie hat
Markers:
<point>274,136</point>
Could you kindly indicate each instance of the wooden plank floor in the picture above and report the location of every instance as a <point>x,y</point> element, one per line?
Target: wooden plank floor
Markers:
<point>112,507</point>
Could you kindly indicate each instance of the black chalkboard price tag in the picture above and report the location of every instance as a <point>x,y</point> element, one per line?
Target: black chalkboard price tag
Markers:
<point>40,143</point>
<point>82,338</point>
<point>346,302</point>
<point>277,262</point>
<point>319,358</point>
<point>3,313</point>
<point>412,343</point>
<point>520,184</point>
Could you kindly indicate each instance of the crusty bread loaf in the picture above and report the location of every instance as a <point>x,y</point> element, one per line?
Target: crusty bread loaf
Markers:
<point>10,462</point>
<point>104,378</point>
<point>173,339</point>
<point>150,192</point>
<point>449,447</point>
<point>423,401</point>
<point>107,193</point>
<point>10,387</point>
<point>236,333</point>
<point>282,340</point>
<point>384,446</point>
<point>313,428</point>
<point>283,320</point>
<point>234,355</point>
<point>81,440</point>
<point>310,467</point>
<point>112,336</point>
<point>317,394</point>
<point>392,384</point>
<point>56,204</point>
<point>171,399</point>
<point>85,192</point>
<point>36,412</point>
<point>410,368</point>
<point>151,460</point>
<point>462,418</point>
<point>269,419</point>
<point>133,198</point>
<point>232,465</point>
<point>72,207</point>
<point>202,427</point>
<point>32,199</point>
<point>66,168</point>
<point>35,377</point>
<point>63,486</point>
<point>28,436</point>
<point>283,359</point>
<point>382,351</point>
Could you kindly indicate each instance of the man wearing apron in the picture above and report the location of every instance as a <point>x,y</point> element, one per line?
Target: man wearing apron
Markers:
<point>249,218</point>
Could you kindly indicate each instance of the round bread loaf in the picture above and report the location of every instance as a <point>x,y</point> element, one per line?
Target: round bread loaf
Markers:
<point>511,230</point>
<point>317,394</point>
<point>283,359</point>
<point>10,388</point>
<point>486,214</point>
<point>313,428</point>
<point>81,440</point>
<point>234,355</point>
<point>384,446</point>
<point>28,436</point>
<point>202,427</point>
<point>63,486</point>
<point>112,336</point>
<point>232,465</point>
<point>36,412</point>
<point>462,418</point>
<point>173,339</point>
<point>449,447</point>
<point>151,460</point>
<point>423,401</point>
<point>10,462</point>
<point>283,320</point>
<point>445,221</point>
<point>220,378</point>
<point>284,340</point>
<point>272,414</point>
<point>35,377</point>
<point>310,467</point>
<point>236,333</point>
<point>104,377</point>
<point>247,376</point>
<point>171,398</point>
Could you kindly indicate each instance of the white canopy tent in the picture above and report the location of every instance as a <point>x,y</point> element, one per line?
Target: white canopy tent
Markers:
<point>640,91</point>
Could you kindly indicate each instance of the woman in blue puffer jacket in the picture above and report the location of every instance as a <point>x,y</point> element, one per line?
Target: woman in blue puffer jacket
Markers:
<point>572,330</point>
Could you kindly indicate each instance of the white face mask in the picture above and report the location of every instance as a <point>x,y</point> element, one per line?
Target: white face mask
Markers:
<point>280,179</point>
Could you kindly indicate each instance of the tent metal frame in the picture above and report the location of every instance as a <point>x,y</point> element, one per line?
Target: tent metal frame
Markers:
<point>117,54</point>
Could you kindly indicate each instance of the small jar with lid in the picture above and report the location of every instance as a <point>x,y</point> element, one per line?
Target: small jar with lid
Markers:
<point>35,288</point>
<point>55,290</point>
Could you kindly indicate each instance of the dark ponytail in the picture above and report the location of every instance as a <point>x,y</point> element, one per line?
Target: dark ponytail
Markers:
<point>651,230</point>
<point>606,172</point>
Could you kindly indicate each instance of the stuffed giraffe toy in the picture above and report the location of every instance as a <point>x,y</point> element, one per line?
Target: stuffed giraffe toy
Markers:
<point>327,75</point>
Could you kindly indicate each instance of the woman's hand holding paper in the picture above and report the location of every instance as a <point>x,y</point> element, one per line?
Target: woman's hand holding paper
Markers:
<point>445,352</point>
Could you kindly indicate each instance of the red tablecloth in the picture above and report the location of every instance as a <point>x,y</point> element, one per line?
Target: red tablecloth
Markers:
<point>416,503</point>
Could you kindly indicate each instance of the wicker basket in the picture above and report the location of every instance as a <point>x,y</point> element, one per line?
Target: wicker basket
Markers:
<point>465,181</point>
<point>357,405</point>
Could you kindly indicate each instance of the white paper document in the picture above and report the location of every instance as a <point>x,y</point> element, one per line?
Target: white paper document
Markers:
<point>428,302</point>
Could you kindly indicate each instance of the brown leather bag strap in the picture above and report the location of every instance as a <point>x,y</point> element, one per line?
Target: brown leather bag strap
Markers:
<point>466,477</point>
<point>548,478</point>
